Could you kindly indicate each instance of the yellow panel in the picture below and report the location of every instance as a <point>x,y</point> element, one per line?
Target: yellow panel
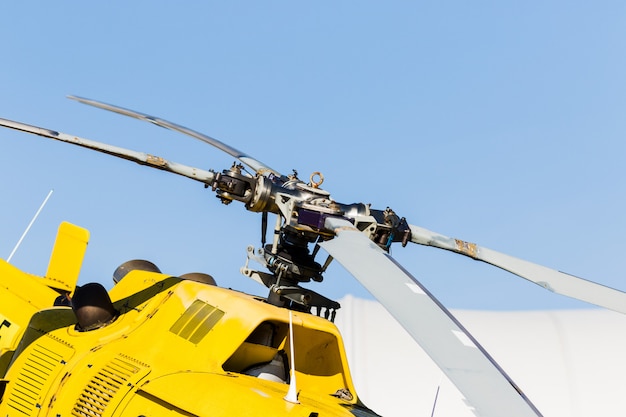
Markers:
<point>67,256</point>
<point>197,321</point>
<point>17,288</point>
<point>206,326</point>
<point>33,374</point>
<point>205,394</point>
<point>21,296</point>
<point>106,387</point>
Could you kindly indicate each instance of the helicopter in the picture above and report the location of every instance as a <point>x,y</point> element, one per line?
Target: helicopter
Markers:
<point>158,344</point>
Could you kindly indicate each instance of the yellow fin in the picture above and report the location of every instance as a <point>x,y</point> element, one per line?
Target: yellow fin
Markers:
<point>67,257</point>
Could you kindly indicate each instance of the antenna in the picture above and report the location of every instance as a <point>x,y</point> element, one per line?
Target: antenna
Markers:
<point>19,242</point>
<point>432,413</point>
<point>292,394</point>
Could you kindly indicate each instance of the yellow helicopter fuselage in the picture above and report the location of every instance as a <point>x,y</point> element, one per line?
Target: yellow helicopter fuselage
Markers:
<point>175,346</point>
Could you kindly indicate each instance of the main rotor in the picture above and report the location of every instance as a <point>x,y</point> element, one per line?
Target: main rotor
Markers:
<point>359,237</point>
<point>301,210</point>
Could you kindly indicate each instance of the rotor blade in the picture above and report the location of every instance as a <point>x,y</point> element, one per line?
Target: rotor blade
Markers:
<point>550,279</point>
<point>258,167</point>
<point>488,391</point>
<point>206,177</point>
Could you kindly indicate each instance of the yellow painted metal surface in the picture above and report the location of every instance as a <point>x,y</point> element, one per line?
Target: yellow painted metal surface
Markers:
<point>21,296</point>
<point>67,256</point>
<point>176,347</point>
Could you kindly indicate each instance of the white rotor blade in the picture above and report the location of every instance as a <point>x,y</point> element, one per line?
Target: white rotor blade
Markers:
<point>550,279</point>
<point>488,391</point>
<point>206,177</point>
<point>257,166</point>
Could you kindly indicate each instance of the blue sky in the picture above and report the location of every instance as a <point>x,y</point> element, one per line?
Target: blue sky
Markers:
<point>494,122</point>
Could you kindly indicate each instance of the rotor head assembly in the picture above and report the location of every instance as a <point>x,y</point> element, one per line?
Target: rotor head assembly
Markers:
<point>359,237</point>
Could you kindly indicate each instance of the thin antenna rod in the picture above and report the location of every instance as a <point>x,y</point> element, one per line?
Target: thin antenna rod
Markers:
<point>292,394</point>
<point>19,242</point>
<point>432,413</point>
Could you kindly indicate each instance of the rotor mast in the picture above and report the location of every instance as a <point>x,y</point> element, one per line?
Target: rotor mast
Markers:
<point>359,237</point>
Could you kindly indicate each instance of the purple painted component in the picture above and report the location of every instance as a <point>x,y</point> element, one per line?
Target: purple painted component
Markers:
<point>311,218</point>
<point>316,219</point>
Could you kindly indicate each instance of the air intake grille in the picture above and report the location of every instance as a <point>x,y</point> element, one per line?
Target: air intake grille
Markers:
<point>38,367</point>
<point>197,321</point>
<point>103,387</point>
